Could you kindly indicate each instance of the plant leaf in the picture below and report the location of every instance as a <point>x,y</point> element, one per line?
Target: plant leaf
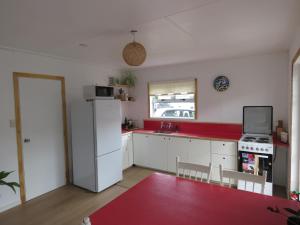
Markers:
<point>4,174</point>
<point>12,185</point>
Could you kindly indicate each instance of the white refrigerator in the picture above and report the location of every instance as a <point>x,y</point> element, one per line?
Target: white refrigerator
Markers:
<point>96,143</point>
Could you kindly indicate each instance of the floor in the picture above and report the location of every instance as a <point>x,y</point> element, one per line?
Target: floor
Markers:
<point>69,204</point>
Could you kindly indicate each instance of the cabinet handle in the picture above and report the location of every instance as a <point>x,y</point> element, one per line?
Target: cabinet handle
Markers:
<point>224,158</point>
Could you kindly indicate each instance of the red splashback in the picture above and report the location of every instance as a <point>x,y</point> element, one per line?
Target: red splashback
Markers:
<point>196,127</point>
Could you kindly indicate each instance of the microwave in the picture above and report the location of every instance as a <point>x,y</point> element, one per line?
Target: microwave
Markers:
<point>98,92</point>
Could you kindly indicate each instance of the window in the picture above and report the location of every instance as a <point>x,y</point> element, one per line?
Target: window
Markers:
<point>173,99</point>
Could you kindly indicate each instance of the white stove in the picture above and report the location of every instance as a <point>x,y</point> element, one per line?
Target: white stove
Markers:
<point>256,143</point>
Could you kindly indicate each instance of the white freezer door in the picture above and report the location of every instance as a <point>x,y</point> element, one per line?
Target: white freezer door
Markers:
<point>109,169</point>
<point>107,126</point>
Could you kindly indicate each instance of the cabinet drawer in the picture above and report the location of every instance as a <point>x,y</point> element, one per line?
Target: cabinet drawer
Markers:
<point>227,162</point>
<point>224,147</point>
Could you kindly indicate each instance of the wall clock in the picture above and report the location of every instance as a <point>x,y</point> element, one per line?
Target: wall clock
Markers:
<point>221,83</point>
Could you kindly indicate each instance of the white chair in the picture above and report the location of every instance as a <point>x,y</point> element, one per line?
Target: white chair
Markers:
<point>86,221</point>
<point>245,178</point>
<point>192,171</point>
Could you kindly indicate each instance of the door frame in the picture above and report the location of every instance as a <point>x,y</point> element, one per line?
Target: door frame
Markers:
<point>294,59</point>
<point>16,76</point>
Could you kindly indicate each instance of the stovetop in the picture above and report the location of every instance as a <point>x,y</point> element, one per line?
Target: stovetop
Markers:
<point>256,143</point>
<point>263,139</point>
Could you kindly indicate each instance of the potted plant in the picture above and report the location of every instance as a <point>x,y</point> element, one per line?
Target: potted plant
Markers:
<point>12,185</point>
<point>128,78</point>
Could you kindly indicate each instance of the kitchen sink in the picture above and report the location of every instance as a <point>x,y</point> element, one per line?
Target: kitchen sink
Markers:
<point>164,131</point>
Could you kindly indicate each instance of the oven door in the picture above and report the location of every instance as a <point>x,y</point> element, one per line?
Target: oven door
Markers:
<point>256,163</point>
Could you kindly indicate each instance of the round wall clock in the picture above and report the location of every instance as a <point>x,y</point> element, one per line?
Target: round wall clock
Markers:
<point>221,83</point>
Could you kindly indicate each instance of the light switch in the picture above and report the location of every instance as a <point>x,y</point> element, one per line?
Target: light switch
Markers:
<point>12,123</point>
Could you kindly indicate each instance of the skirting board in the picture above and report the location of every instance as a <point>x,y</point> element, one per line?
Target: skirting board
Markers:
<point>9,206</point>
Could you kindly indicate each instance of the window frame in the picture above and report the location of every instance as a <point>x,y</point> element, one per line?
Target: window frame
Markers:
<point>179,119</point>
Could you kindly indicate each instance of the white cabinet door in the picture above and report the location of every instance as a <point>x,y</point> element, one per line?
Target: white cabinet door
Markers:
<point>177,147</point>
<point>228,162</point>
<point>156,155</point>
<point>224,153</point>
<point>130,150</point>
<point>199,151</point>
<point>124,151</point>
<point>140,148</point>
<point>224,147</point>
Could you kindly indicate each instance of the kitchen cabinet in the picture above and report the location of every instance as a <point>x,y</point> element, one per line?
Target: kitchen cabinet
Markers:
<point>189,150</point>
<point>127,150</point>
<point>280,166</point>
<point>177,147</point>
<point>140,145</point>
<point>157,152</point>
<point>224,147</point>
<point>199,151</point>
<point>224,153</point>
<point>160,151</point>
<point>150,151</point>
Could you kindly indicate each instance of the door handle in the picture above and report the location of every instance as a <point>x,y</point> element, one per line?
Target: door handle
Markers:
<point>26,140</point>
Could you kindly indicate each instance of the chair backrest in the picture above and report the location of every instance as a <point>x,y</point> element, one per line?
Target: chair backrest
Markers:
<point>192,171</point>
<point>236,177</point>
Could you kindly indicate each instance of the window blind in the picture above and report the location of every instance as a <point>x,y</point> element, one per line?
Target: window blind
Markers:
<point>172,87</point>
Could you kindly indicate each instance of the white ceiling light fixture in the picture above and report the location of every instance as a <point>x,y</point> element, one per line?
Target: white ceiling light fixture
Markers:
<point>134,53</point>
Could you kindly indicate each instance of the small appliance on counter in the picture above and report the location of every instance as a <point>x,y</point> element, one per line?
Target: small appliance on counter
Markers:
<point>256,147</point>
<point>128,124</point>
<point>93,92</point>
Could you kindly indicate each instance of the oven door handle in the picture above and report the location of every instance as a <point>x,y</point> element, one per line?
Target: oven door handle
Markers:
<point>263,156</point>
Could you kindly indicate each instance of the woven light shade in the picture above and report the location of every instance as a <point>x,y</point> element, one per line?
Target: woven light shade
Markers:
<point>134,54</point>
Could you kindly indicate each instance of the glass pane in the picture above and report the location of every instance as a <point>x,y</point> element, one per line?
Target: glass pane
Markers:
<point>173,106</point>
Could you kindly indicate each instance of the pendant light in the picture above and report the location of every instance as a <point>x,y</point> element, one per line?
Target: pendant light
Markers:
<point>134,53</point>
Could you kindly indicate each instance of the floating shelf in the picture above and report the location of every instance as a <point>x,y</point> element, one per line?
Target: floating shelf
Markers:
<point>120,85</point>
<point>126,100</point>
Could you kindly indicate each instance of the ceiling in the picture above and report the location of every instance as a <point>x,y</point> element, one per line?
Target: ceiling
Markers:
<point>172,31</point>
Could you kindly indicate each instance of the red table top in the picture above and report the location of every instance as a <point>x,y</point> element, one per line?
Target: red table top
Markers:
<point>166,200</point>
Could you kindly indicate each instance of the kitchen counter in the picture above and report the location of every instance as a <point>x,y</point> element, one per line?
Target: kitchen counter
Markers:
<point>217,136</point>
<point>204,135</point>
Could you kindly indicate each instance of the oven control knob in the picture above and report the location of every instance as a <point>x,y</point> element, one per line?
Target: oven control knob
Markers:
<point>247,147</point>
<point>251,148</point>
<point>257,149</point>
<point>267,150</point>
<point>262,149</point>
<point>243,147</point>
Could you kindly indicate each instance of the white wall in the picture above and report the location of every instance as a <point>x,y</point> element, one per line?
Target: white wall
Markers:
<point>294,152</point>
<point>76,76</point>
<point>295,45</point>
<point>295,128</point>
<point>255,80</point>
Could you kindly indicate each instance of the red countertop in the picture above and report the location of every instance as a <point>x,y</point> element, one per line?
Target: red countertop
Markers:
<point>208,131</point>
<point>204,135</point>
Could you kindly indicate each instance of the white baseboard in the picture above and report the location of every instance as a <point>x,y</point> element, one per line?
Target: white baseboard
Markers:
<point>9,206</point>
